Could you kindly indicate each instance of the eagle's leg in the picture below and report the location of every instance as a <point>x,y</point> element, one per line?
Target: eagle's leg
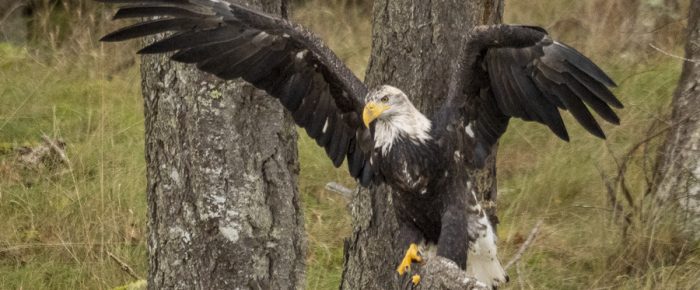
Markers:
<point>408,237</point>
<point>453,235</point>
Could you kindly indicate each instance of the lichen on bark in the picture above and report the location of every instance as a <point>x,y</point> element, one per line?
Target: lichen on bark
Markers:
<point>224,207</point>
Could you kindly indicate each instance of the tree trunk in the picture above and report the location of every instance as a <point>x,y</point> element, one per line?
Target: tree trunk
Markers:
<point>679,170</point>
<point>414,45</point>
<point>223,204</point>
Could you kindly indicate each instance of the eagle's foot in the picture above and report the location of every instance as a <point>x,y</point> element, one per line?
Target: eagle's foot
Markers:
<point>412,255</point>
<point>415,279</point>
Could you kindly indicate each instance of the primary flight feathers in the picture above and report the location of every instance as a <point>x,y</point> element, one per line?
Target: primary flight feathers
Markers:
<point>532,82</point>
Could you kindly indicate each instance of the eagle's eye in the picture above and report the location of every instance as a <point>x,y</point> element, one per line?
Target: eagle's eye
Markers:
<point>385,99</point>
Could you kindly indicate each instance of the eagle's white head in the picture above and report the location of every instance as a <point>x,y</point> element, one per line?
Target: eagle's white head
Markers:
<point>395,116</point>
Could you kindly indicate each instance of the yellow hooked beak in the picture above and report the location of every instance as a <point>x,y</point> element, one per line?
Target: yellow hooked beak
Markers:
<point>372,111</point>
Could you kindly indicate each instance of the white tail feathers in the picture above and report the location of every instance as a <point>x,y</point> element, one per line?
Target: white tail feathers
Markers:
<point>482,259</point>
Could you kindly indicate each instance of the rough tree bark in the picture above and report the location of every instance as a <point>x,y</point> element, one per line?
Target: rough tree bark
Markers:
<point>414,44</point>
<point>223,205</point>
<point>679,170</point>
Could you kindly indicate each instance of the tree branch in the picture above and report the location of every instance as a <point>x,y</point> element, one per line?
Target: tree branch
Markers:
<point>338,188</point>
<point>524,246</point>
<point>442,273</point>
<point>125,267</point>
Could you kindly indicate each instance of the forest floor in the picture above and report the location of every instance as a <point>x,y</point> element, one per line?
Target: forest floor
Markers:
<point>65,216</point>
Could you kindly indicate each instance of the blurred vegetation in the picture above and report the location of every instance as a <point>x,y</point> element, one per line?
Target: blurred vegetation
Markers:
<point>60,217</point>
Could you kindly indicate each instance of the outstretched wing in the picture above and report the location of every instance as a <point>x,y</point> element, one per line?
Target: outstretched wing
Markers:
<point>530,76</point>
<point>288,62</point>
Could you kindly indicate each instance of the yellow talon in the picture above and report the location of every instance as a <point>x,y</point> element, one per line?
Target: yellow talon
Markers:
<point>411,256</point>
<point>415,279</point>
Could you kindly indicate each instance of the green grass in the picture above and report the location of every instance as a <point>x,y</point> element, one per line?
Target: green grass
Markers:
<point>580,246</point>
<point>59,221</point>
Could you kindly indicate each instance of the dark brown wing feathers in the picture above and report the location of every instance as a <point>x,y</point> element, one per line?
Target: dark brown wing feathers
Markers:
<point>232,41</point>
<point>531,77</point>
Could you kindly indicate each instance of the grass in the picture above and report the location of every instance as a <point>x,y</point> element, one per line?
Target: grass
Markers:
<point>58,221</point>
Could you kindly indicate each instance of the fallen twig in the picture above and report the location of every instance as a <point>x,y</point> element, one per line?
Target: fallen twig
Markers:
<point>124,266</point>
<point>525,245</point>
<point>339,188</point>
<point>674,56</point>
<point>591,207</point>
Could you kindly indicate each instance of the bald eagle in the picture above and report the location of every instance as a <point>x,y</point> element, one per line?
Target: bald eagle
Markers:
<point>503,71</point>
